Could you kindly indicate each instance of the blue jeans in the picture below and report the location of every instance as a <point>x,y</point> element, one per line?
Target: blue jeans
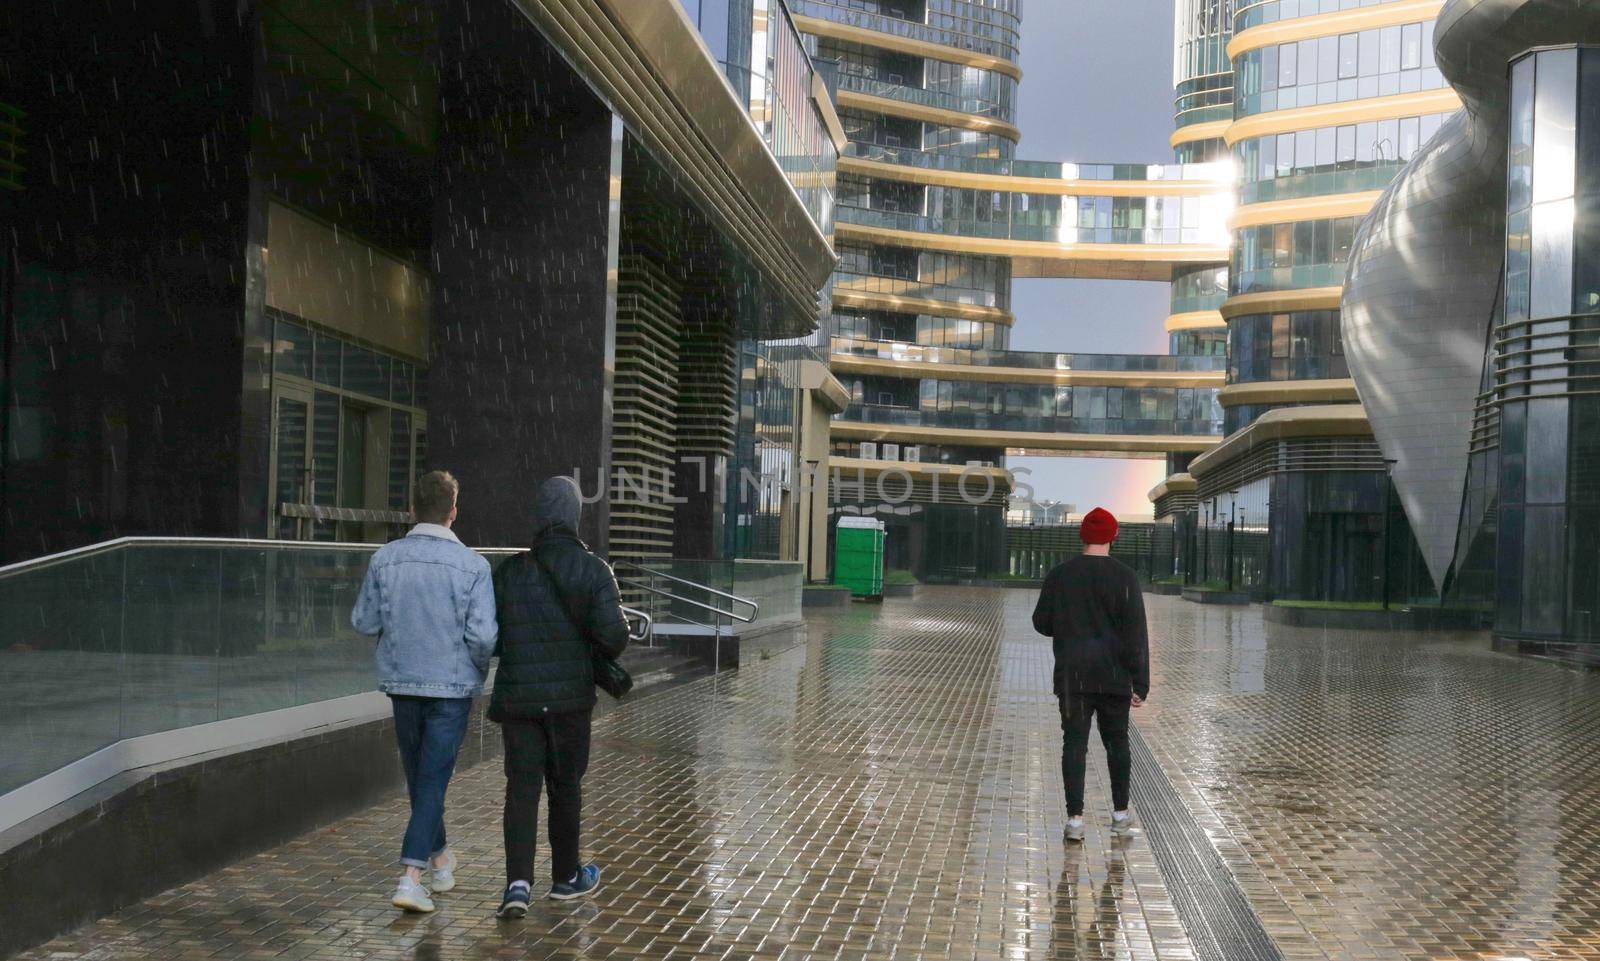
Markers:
<point>429,731</point>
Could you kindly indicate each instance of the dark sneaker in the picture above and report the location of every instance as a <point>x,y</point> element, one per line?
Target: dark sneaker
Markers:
<point>515,903</point>
<point>583,884</point>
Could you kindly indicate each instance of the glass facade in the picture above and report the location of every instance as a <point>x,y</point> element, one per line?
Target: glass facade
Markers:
<point>851,326</point>
<point>1330,160</point>
<point>780,92</point>
<point>904,272</point>
<point>1352,66</point>
<point>913,79</point>
<point>1202,288</point>
<point>1303,345</point>
<point>1310,253</point>
<point>726,27</point>
<point>1547,354</point>
<point>988,27</point>
<point>931,402</point>
<point>1199,343</point>
<point>1202,76</point>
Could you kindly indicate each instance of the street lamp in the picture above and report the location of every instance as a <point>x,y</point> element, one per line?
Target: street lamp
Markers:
<point>1383,536</point>
<point>1233,503</point>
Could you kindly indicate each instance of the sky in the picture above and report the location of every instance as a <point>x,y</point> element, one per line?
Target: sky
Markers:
<point>1096,87</point>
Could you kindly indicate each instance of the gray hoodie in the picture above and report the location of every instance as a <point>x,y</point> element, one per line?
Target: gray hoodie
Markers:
<point>558,502</point>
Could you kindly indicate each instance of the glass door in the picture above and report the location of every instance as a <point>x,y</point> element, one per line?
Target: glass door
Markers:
<point>291,461</point>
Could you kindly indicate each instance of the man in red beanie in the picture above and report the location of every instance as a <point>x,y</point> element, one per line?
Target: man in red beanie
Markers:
<point>1092,608</point>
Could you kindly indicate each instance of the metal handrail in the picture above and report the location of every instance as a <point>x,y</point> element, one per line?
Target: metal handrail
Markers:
<point>106,547</point>
<point>719,611</point>
<point>646,620</point>
<point>754,607</point>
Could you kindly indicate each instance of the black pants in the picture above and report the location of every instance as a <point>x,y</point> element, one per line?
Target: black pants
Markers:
<point>553,753</point>
<point>1077,710</point>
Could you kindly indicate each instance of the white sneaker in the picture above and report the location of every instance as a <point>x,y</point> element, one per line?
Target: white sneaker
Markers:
<point>444,878</point>
<point>411,896</point>
<point>1122,826</point>
<point>1074,829</point>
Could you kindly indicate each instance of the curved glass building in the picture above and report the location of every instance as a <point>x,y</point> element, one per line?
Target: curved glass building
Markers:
<point>1327,102</point>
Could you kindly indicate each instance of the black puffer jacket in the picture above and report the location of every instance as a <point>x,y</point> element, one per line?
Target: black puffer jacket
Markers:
<point>546,663</point>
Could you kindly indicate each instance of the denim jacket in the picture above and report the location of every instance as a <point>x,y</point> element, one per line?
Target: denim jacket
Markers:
<point>430,601</point>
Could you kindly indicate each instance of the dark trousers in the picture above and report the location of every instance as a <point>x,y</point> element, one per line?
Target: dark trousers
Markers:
<point>553,753</point>
<point>429,731</point>
<point>1077,710</point>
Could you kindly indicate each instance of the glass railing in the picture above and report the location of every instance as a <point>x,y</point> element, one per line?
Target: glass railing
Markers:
<point>927,98</point>
<point>1032,423</point>
<point>141,636</point>
<point>1318,183</point>
<point>1010,230</point>
<point>994,35</point>
<point>1218,172</point>
<point>1033,360</point>
<point>1194,302</point>
<point>1288,278</point>
<point>1205,113</point>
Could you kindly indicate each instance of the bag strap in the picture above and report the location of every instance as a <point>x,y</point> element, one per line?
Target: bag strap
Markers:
<point>566,602</point>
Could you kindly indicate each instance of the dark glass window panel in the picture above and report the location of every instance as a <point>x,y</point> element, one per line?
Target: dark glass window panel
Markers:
<point>1586,268</point>
<point>1543,548</point>
<point>328,360</point>
<point>1508,570</point>
<point>325,449</point>
<point>1546,462</point>
<point>293,422</point>
<point>366,372</point>
<point>291,349</point>
<point>400,469</point>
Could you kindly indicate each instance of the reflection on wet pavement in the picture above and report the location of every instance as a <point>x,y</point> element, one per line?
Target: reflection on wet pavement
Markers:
<point>892,789</point>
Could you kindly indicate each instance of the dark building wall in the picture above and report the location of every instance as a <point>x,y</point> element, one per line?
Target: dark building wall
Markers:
<point>525,248</point>
<point>121,280</point>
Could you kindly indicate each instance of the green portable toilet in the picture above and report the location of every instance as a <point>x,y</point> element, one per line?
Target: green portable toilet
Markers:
<point>858,556</point>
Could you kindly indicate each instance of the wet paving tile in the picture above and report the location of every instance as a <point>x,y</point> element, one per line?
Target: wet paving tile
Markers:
<point>892,789</point>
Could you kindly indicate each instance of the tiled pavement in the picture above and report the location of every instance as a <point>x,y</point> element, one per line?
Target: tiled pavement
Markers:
<point>892,790</point>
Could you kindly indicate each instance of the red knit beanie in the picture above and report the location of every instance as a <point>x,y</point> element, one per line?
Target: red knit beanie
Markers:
<point>1099,527</point>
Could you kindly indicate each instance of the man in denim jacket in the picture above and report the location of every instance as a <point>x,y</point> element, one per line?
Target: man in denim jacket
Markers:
<point>430,601</point>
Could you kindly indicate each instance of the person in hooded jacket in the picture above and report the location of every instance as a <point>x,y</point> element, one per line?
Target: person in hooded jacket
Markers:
<point>1092,609</point>
<point>556,604</point>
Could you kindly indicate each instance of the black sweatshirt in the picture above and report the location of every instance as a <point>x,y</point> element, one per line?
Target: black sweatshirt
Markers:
<point>1093,608</point>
